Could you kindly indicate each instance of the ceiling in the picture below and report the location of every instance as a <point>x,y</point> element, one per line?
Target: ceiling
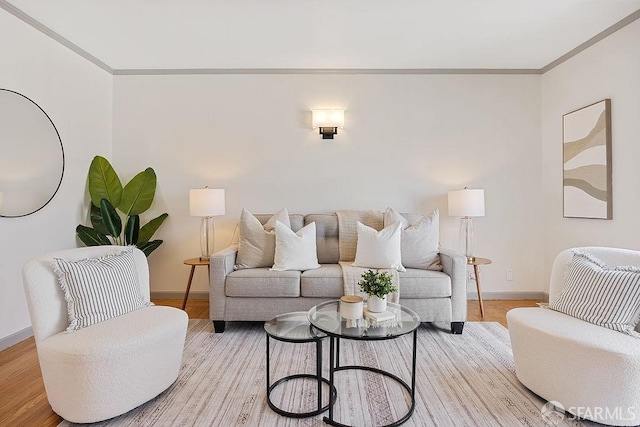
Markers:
<point>325,34</point>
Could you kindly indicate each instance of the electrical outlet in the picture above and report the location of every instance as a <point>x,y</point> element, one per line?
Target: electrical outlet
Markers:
<point>471,277</point>
<point>509,275</point>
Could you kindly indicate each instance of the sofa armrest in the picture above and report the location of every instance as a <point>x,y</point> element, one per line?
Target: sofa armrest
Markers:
<point>220,265</point>
<point>455,265</point>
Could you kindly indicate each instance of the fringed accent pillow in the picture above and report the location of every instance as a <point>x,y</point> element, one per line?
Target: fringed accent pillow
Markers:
<point>257,244</point>
<point>602,295</point>
<point>98,289</point>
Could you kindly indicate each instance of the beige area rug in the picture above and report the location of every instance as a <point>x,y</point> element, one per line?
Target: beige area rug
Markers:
<point>462,380</point>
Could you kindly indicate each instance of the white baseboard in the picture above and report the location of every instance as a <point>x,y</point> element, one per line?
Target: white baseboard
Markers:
<point>15,338</point>
<point>193,295</point>
<point>539,296</point>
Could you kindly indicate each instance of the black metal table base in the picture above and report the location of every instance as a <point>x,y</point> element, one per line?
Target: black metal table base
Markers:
<point>317,377</point>
<point>333,394</point>
<point>334,366</point>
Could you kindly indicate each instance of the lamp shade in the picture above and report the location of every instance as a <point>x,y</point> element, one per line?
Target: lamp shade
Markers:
<point>206,202</point>
<point>467,202</point>
<point>327,118</point>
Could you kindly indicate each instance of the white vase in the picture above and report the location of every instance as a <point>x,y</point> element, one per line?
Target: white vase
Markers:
<point>377,305</point>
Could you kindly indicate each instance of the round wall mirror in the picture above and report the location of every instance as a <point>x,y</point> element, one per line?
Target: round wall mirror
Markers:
<point>31,156</point>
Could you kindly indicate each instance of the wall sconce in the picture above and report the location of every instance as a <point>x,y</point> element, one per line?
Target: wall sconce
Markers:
<point>206,203</point>
<point>328,121</point>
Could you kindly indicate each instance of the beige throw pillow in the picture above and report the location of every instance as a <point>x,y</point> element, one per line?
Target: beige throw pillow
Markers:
<point>258,242</point>
<point>420,240</point>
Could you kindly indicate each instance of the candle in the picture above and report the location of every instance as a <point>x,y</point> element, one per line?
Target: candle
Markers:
<point>351,307</point>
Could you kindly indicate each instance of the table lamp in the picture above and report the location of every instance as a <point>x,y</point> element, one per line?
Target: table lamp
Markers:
<point>206,203</point>
<point>466,203</point>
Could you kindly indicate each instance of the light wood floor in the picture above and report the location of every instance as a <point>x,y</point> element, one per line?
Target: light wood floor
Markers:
<point>23,401</point>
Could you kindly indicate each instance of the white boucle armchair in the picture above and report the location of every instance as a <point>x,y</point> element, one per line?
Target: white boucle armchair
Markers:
<point>591,371</point>
<point>109,368</point>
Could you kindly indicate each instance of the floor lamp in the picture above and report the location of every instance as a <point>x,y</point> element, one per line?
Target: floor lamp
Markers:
<point>206,203</point>
<point>466,203</point>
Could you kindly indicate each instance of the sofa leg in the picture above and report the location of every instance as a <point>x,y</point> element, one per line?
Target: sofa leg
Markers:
<point>456,327</point>
<point>218,326</point>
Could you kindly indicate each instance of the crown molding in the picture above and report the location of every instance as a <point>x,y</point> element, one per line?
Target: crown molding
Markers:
<point>320,71</point>
<point>593,40</point>
<point>55,36</point>
<point>314,71</point>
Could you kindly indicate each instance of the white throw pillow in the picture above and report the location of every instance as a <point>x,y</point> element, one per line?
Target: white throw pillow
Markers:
<point>295,251</point>
<point>596,293</point>
<point>99,289</point>
<point>379,249</point>
<point>420,239</point>
<point>257,244</point>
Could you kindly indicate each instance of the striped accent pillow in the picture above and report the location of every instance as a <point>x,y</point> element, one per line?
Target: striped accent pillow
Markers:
<point>596,293</point>
<point>98,289</point>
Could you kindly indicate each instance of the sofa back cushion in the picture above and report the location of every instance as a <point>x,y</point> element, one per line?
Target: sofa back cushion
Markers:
<point>326,236</point>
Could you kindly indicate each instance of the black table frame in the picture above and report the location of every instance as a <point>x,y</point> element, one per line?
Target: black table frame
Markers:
<point>318,377</point>
<point>334,361</point>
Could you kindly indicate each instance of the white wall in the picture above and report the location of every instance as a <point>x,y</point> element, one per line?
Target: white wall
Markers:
<point>77,96</point>
<point>609,69</point>
<point>408,139</point>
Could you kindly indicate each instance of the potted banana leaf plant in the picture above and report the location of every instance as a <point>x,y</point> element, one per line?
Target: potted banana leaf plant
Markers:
<point>112,204</point>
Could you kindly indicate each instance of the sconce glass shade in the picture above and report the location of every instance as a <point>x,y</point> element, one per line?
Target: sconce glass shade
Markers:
<point>206,202</point>
<point>466,204</point>
<point>327,118</point>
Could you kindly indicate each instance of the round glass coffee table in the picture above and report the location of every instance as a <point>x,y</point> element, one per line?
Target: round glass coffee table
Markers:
<point>295,328</point>
<point>326,318</point>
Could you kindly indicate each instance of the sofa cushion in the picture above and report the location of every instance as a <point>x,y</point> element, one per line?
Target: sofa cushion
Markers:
<point>418,283</point>
<point>324,282</point>
<point>261,282</point>
<point>326,236</point>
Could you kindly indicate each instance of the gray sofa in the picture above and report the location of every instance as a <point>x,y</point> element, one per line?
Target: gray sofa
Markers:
<point>257,294</point>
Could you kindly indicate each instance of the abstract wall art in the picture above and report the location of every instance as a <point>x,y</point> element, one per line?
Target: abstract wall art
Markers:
<point>587,162</point>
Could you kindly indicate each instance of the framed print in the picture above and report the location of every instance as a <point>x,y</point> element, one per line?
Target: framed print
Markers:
<point>586,149</point>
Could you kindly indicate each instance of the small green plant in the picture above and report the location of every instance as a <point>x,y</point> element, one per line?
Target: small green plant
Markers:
<point>107,195</point>
<point>376,283</point>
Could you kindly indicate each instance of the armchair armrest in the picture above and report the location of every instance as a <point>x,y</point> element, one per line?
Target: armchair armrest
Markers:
<point>455,265</point>
<point>220,265</point>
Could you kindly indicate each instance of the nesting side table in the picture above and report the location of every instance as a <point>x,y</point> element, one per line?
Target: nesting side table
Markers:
<point>295,328</point>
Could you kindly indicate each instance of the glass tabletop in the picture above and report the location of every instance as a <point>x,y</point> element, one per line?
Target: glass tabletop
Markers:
<point>292,327</point>
<point>326,317</point>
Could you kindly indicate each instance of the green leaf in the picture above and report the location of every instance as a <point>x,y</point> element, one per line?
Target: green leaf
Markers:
<point>104,182</point>
<point>132,229</point>
<point>149,229</point>
<point>149,247</point>
<point>138,194</point>
<point>91,237</point>
<point>96,220</point>
<point>110,218</point>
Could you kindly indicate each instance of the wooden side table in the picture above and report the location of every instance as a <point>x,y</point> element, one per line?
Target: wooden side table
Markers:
<point>476,261</point>
<point>194,262</point>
